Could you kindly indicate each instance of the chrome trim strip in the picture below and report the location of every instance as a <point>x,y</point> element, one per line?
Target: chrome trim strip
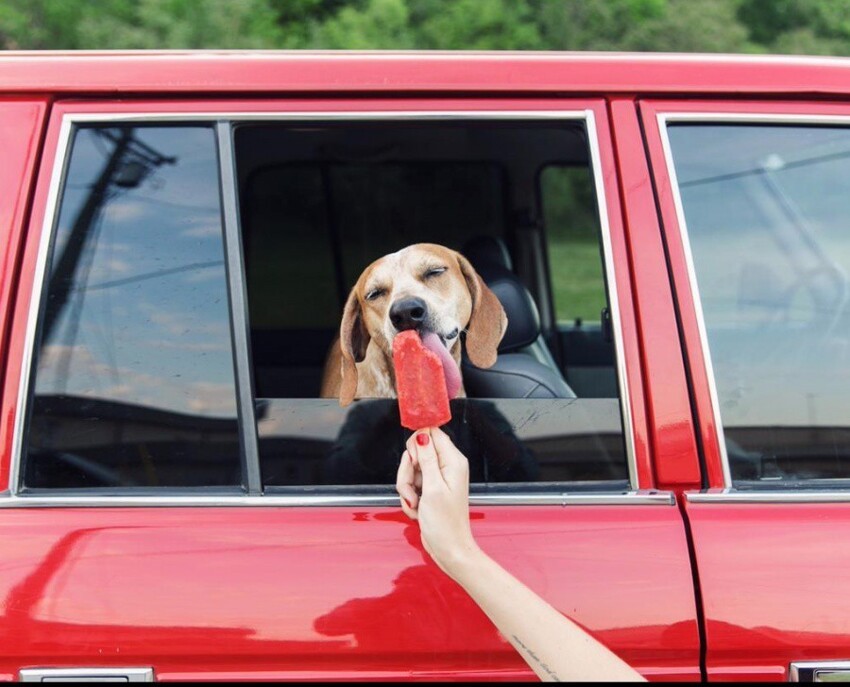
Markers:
<point>632,498</point>
<point>753,117</point>
<point>37,294</point>
<point>807,671</point>
<point>663,120</point>
<point>801,496</point>
<point>69,120</point>
<point>608,253</point>
<point>365,115</point>
<point>238,310</point>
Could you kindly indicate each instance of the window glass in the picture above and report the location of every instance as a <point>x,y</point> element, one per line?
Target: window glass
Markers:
<point>766,208</point>
<point>321,201</point>
<point>134,382</point>
<point>569,207</point>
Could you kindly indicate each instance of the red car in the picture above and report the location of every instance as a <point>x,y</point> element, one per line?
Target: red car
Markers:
<point>662,449</point>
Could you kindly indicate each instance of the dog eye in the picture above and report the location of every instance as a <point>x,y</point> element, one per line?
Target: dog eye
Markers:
<point>433,272</point>
<point>375,293</point>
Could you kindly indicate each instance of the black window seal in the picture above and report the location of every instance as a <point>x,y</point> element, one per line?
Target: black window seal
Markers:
<point>238,308</point>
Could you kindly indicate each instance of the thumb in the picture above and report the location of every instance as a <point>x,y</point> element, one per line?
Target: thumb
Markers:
<point>452,462</point>
<point>421,445</point>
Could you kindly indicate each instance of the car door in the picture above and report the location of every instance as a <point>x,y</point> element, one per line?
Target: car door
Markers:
<point>753,200</point>
<point>142,531</point>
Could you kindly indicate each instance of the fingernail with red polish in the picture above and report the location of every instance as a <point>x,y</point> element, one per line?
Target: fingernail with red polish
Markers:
<point>407,502</point>
<point>422,439</point>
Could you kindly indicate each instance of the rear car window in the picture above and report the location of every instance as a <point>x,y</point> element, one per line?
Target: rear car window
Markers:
<point>767,210</point>
<point>133,382</point>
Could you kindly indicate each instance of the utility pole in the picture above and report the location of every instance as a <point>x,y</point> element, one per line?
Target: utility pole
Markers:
<point>142,159</point>
<point>62,279</point>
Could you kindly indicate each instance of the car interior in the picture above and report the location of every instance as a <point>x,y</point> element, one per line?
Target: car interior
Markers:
<point>320,201</point>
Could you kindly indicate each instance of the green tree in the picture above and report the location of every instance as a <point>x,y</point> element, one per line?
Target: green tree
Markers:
<point>476,25</point>
<point>817,27</point>
<point>374,24</point>
<point>685,26</point>
<point>593,24</point>
<point>81,24</point>
<point>790,26</point>
<point>42,24</point>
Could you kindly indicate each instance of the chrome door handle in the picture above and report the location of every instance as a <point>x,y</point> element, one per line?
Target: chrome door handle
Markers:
<point>87,675</point>
<point>820,671</point>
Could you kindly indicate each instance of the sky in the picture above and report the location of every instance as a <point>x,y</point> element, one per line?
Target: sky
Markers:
<point>150,292</point>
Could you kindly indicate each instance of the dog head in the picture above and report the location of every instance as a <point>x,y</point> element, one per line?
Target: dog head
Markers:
<point>425,287</point>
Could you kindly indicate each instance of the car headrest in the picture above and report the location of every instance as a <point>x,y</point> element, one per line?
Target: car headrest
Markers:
<point>487,250</point>
<point>523,318</point>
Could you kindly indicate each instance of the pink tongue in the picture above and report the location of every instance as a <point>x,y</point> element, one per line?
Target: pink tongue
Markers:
<point>450,370</point>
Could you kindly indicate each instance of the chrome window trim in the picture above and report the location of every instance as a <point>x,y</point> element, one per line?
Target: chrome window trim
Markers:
<point>801,496</point>
<point>630,498</point>
<point>613,301</point>
<point>663,119</point>
<point>70,120</point>
<point>60,163</point>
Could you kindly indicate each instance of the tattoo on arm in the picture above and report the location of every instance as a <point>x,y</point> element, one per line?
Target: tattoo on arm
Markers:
<point>551,673</point>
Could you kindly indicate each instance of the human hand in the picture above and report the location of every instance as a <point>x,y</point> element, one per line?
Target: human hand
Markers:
<point>433,483</point>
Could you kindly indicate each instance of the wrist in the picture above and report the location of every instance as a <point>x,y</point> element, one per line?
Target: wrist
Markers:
<point>464,563</point>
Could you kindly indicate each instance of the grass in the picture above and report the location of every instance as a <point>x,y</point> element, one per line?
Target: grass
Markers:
<point>577,281</point>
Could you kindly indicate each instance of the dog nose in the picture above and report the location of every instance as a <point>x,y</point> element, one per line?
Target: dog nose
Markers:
<point>408,313</point>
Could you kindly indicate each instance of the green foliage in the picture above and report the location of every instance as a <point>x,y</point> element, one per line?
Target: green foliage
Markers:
<point>186,24</point>
<point>476,25</point>
<point>137,24</point>
<point>41,24</point>
<point>594,24</point>
<point>361,26</point>
<point>686,26</point>
<point>818,27</point>
<point>788,26</point>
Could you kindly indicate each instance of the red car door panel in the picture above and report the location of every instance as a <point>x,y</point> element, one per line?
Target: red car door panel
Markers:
<point>768,534</point>
<point>242,592</point>
<point>772,588</point>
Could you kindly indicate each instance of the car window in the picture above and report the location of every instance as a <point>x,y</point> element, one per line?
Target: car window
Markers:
<point>133,381</point>
<point>320,201</point>
<point>766,208</point>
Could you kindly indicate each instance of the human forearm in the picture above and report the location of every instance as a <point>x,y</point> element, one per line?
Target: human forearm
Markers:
<point>553,646</point>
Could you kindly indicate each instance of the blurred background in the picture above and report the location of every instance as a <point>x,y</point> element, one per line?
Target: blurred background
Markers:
<point>817,27</point>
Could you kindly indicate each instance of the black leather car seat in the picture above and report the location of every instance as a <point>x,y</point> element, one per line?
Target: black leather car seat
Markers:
<point>524,366</point>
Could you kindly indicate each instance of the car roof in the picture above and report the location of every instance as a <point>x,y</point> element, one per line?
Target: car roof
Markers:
<point>309,72</point>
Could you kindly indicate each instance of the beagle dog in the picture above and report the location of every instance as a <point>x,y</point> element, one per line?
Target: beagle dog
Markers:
<point>425,287</point>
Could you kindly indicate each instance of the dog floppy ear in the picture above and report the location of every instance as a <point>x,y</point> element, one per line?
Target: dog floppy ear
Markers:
<point>353,340</point>
<point>488,321</point>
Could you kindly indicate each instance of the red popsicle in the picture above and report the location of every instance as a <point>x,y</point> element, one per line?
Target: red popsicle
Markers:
<point>421,381</point>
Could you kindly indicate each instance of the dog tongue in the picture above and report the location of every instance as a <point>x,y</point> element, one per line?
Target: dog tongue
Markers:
<point>450,369</point>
